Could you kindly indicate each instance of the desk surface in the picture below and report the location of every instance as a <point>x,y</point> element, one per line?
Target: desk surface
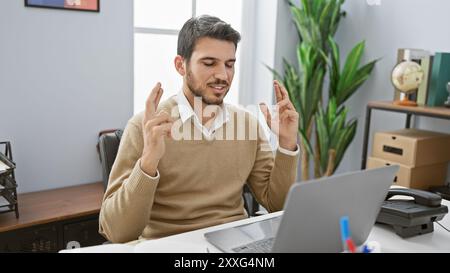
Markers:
<point>54,205</point>
<point>437,241</point>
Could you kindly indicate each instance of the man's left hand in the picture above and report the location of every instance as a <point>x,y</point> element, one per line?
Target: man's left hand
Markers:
<point>285,121</point>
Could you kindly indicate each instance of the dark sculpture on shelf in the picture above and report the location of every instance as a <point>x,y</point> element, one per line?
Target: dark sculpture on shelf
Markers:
<point>8,185</point>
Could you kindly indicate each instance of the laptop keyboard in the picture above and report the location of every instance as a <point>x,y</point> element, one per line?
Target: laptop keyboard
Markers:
<point>261,246</point>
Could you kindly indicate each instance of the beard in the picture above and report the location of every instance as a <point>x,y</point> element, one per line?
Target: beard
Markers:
<point>208,97</point>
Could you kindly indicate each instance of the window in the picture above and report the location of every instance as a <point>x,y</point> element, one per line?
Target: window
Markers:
<point>156,27</point>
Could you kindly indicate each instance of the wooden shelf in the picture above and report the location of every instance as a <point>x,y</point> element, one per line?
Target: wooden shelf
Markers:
<point>54,205</point>
<point>427,111</point>
<point>437,112</point>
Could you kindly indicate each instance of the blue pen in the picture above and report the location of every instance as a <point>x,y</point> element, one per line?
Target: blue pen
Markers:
<point>345,230</point>
<point>346,236</point>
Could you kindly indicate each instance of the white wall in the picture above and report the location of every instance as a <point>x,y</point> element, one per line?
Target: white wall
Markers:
<point>64,76</point>
<point>258,49</point>
<point>286,36</point>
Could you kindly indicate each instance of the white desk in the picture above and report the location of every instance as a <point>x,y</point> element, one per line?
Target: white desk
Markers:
<point>437,241</point>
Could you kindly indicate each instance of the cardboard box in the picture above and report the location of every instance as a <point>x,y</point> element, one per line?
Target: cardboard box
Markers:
<point>412,147</point>
<point>422,177</point>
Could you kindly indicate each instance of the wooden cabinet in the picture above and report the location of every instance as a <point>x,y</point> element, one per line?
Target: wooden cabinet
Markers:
<point>50,220</point>
<point>82,233</point>
<point>36,239</point>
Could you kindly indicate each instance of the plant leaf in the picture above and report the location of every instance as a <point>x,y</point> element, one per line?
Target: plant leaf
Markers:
<point>347,139</point>
<point>351,66</point>
<point>335,67</point>
<point>306,142</point>
<point>353,85</point>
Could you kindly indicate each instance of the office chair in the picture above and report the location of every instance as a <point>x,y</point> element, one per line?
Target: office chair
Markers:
<point>108,144</point>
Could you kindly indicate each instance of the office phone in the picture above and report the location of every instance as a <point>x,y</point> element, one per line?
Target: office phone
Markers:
<point>411,217</point>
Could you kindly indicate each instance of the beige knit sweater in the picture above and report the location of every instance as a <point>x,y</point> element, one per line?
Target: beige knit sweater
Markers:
<point>200,182</point>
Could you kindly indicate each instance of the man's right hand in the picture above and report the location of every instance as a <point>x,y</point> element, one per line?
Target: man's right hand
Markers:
<point>155,128</point>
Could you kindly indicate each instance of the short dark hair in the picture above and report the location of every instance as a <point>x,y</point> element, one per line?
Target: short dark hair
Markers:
<point>204,26</point>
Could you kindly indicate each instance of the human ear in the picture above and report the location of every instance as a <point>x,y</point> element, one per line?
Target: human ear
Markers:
<point>179,65</point>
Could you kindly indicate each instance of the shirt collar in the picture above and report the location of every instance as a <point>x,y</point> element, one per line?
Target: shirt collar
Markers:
<point>186,111</point>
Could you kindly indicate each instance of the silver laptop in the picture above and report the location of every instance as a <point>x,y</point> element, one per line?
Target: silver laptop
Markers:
<point>312,213</point>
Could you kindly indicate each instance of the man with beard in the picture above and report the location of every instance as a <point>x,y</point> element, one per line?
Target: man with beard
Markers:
<point>162,185</point>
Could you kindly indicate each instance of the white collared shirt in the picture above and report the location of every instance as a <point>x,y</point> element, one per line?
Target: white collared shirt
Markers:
<point>186,112</point>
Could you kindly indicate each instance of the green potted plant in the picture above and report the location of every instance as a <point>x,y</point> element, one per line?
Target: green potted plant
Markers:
<point>324,124</point>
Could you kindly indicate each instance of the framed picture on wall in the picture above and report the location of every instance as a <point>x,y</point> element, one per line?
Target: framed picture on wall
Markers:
<point>80,5</point>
